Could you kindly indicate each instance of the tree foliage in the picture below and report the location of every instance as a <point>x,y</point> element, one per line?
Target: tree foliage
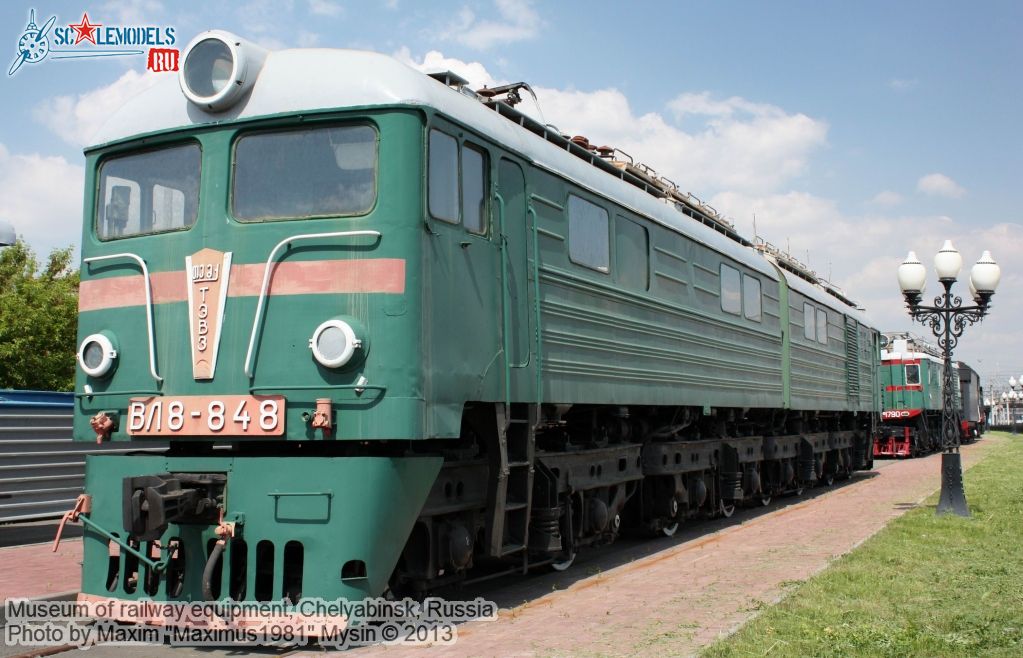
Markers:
<point>38,319</point>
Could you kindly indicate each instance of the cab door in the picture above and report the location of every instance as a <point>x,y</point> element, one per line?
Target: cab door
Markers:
<point>519,325</point>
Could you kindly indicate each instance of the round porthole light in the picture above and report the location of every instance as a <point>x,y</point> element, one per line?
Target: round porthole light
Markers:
<point>334,343</point>
<point>218,68</point>
<point>97,355</point>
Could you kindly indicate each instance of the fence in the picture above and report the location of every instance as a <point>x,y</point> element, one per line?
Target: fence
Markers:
<point>42,470</point>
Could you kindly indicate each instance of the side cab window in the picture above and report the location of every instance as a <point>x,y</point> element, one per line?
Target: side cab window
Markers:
<point>588,240</point>
<point>457,182</point>
<point>632,254</point>
<point>740,293</point>
<point>809,322</point>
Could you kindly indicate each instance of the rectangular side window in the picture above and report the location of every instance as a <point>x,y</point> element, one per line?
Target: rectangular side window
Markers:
<point>912,375</point>
<point>731,293</point>
<point>809,323</point>
<point>632,254</point>
<point>474,199</point>
<point>588,242</point>
<point>822,326</point>
<point>751,297</point>
<point>443,175</point>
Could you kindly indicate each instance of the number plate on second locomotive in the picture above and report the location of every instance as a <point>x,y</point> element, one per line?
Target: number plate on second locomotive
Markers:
<point>195,415</point>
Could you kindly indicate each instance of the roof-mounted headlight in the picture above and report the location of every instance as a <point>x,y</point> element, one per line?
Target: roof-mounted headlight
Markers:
<point>219,67</point>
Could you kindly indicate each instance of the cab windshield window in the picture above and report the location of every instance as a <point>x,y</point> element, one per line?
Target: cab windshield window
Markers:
<point>150,192</point>
<point>293,174</point>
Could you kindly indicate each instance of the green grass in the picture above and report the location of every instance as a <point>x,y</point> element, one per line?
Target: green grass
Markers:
<point>924,586</point>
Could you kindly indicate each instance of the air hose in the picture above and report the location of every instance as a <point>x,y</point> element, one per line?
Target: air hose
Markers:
<point>211,565</point>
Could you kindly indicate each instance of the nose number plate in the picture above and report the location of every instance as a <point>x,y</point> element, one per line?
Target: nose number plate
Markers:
<point>195,415</point>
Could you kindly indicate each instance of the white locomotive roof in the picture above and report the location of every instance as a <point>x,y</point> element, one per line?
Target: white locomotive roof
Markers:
<point>818,295</point>
<point>319,79</point>
<point>908,356</point>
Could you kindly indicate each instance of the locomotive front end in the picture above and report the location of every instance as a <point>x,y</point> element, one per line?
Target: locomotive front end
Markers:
<point>249,324</point>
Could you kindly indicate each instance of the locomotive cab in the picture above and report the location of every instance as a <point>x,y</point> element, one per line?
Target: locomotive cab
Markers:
<point>250,318</point>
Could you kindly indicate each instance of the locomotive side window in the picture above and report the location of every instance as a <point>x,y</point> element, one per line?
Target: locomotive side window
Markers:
<point>297,174</point>
<point>912,374</point>
<point>822,326</point>
<point>474,200</point>
<point>453,168</point>
<point>751,306</point>
<point>588,242</point>
<point>632,254</point>
<point>443,184</point>
<point>150,192</point>
<point>731,297</point>
<point>809,326</point>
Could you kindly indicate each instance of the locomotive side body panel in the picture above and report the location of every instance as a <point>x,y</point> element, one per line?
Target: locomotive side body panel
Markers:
<point>642,320</point>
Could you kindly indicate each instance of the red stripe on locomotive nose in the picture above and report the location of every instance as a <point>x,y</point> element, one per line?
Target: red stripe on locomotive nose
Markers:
<point>377,275</point>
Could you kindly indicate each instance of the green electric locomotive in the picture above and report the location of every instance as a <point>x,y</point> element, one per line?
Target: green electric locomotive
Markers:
<point>395,332</point>
<point>912,380</point>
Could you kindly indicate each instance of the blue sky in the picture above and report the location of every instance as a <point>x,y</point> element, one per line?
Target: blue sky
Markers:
<point>854,131</point>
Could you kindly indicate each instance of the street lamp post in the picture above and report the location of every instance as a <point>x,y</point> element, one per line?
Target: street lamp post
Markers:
<point>947,319</point>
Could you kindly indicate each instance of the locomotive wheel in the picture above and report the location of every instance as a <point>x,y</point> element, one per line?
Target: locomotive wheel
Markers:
<point>828,479</point>
<point>726,510</point>
<point>669,530</point>
<point>563,563</point>
<point>765,500</point>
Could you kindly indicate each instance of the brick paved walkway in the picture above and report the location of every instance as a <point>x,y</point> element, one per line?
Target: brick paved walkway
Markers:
<point>701,589</point>
<point>33,570</point>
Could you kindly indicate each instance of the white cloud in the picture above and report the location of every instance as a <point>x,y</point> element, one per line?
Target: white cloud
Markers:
<point>42,197</point>
<point>307,39</point>
<point>518,21</point>
<point>940,185</point>
<point>861,254</point>
<point>325,8</point>
<point>130,12</point>
<point>701,104</point>
<point>75,119</point>
<point>903,84</point>
<point>435,62</point>
<point>740,145</point>
<point>260,22</point>
<point>887,198</point>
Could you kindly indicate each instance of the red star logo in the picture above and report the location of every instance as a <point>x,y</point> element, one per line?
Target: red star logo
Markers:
<point>86,30</point>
